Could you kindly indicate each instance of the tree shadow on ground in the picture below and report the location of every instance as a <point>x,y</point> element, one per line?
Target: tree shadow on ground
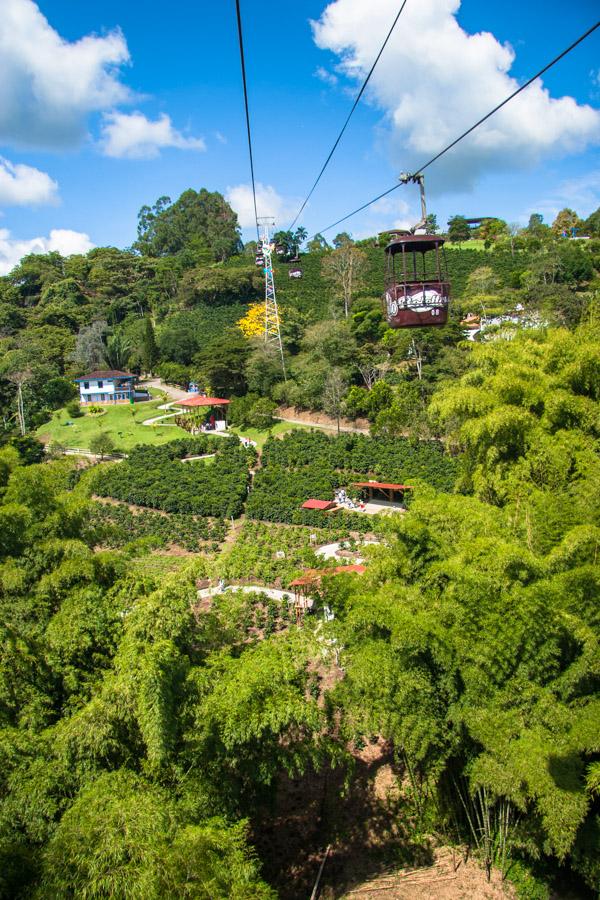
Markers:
<point>366,821</point>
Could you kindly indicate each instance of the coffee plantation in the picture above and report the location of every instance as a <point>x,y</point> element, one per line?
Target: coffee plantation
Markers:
<point>158,478</point>
<point>115,525</point>
<point>311,464</point>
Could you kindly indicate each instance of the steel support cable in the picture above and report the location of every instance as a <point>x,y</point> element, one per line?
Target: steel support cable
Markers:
<point>243,62</point>
<point>471,129</point>
<point>345,125</point>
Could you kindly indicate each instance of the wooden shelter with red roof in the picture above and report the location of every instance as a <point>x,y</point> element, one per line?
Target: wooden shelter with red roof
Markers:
<point>384,490</point>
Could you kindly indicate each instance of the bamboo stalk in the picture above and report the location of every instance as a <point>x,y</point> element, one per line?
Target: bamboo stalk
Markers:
<point>315,890</point>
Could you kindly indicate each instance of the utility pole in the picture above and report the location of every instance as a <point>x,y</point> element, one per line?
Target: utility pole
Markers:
<point>272,325</point>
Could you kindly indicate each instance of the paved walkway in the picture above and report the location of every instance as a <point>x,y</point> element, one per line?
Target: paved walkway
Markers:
<point>170,390</point>
<point>273,593</point>
<point>330,551</point>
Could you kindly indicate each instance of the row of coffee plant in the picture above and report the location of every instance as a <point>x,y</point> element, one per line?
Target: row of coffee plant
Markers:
<point>157,477</point>
<point>115,525</point>
<point>268,554</point>
<point>389,459</point>
<point>278,494</point>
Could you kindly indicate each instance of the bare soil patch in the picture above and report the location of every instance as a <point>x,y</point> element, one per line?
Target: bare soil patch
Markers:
<point>308,417</point>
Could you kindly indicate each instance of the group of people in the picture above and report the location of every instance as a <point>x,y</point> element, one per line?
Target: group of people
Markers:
<point>342,499</point>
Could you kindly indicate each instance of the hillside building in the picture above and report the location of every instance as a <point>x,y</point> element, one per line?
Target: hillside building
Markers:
<point>109,386</point>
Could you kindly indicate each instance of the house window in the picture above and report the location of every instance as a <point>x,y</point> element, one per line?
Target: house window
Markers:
<point>100,384</point>
<point>86,385</point>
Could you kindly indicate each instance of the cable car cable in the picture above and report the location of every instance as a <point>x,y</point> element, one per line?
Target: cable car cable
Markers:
<point>345,125</point>
<point>472,128</point>
<point>243,63</point>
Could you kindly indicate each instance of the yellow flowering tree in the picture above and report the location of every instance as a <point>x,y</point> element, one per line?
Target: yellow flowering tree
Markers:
<point>253,323</point>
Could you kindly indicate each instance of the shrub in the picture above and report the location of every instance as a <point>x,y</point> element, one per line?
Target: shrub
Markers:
<point>74,410</point>
<point>30,450</point>
<point>102,444</point>
<point>116,525</point>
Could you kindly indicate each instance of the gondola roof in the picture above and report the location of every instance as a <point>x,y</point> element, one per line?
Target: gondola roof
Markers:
<point>418,243</point>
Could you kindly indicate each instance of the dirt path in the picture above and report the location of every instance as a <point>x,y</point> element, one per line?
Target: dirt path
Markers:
<point>321,420</point>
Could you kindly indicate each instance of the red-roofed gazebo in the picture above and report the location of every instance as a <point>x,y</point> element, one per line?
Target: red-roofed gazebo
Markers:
<point>197,400</point>
<point>217,406</point>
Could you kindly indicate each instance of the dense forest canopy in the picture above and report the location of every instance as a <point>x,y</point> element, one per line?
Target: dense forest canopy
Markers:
<point>150,725</point>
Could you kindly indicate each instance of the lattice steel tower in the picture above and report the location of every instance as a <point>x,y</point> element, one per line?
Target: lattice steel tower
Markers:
<point>272,325</point>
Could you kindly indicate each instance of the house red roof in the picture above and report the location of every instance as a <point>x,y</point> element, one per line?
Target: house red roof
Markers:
<point>318,504</point>
<point>105,373</point>
<point>312,576</point>
<point>202,401</point>
<point>387,486</point>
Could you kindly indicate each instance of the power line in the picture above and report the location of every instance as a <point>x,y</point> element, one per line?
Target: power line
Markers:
<point>472,128</point>
<point>354,105</point>
<point>242,60</point>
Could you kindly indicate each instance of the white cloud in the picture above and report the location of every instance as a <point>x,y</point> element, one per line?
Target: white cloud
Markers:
<point>327,77</point>
<point>48,85</point>
<point>434,80</point>
<point>22,185</point>
<point>66,242</point>
<point>387,213</point>
<point>268,202</point>
<point>581,194</point>
<point>220,137</point>
<point>133,136</point>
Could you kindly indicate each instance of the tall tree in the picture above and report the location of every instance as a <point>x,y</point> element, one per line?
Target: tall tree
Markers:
<point>149,348</point>
<point>317,243</point>
<point>196,218</point>
<point>90,347</point>
<point>536,225</point>
<point>345,269</point>
<point>342,239</point>
<point>458,230</point>
<point>591,226</point>
<point>492,229</point>
<point>566,223</point>
<point>334,391</point>
<point>431,225</point>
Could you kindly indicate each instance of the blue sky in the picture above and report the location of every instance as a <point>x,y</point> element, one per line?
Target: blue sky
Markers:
<point>80,131</point>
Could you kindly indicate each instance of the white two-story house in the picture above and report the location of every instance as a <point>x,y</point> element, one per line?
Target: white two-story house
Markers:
<point>109,386</point>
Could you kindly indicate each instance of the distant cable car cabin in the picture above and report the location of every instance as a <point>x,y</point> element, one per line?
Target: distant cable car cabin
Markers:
<point>259,260</point>
<point>417,290</point>
<point>295,272</point>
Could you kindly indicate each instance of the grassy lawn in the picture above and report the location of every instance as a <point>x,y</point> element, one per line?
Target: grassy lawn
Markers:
<point>261,436</point>
<point>122,423</point>
<point>473,244</point>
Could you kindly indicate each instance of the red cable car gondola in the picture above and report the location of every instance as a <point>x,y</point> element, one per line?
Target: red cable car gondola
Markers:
<point>417,290</point>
